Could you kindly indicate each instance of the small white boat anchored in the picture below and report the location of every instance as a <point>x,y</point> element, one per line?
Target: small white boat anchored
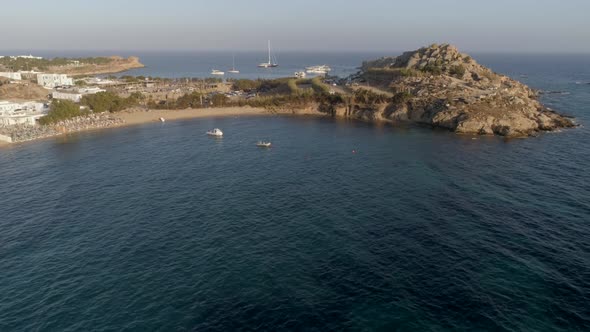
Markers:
<point>217,72</point>
<point>215,132</point>
<point>233,68</point>
<point>162,120</point>
<point>263,144</point>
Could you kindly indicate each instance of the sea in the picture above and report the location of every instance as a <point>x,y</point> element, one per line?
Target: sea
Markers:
<point>340,226</point>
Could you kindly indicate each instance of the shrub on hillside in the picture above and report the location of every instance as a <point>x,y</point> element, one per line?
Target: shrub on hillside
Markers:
<point>457,71</point>
<point>432,69</point>
<point>62,110</point>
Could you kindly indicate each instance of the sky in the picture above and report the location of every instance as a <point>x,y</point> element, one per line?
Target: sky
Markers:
<point>503,26</point>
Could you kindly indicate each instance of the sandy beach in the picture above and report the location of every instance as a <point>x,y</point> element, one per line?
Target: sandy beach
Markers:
<point>138,116</point>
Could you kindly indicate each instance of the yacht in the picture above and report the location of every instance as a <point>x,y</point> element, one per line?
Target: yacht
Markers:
<point>263,144</point>
<point>323,69</point>
<point>215,132</point>
<point>217,72</point>
<point>270,63</point>
<point>233,68</point>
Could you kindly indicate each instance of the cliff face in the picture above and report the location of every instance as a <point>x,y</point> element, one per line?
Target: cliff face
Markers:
<point>440,86</point>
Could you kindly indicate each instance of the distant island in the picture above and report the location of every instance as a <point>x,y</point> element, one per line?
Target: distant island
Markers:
<point>435,85</point>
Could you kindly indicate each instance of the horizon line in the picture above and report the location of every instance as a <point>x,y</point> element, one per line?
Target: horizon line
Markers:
<point>13,52</point>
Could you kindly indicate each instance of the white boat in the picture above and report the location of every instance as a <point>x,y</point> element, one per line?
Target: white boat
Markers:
<point>233,67</point>
<point>270,63</point>
<point>217,72</point>
<point>300,74</point>
<point>263,144</point>
<point>215,132</point>
<point>323,69</point>
<point>162,120</point>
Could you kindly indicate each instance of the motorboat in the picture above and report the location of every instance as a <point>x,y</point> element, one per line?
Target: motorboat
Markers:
<point>263,144</point>
<point>215,132</point>
<point>217,72</point>
<point>162,120</point>
<point>300,74</point>
<point>323,69</point>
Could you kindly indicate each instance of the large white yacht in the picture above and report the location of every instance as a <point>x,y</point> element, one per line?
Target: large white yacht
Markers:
<point>323,69</point>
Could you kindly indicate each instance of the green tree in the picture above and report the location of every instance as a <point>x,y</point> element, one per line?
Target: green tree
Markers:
<point>62,110</point>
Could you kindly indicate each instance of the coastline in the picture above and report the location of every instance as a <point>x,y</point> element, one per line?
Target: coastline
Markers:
<point>134,117</point>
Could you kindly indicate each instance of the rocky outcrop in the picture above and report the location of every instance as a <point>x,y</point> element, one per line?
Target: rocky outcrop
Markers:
<point>439,86</point>
<point>23,133</point>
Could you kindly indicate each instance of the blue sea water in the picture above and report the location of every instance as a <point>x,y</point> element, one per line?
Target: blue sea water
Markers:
<point>342,225</point>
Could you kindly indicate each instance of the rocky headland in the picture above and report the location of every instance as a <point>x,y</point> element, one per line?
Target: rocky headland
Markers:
<point>116,64</point>
<point>442,87</point>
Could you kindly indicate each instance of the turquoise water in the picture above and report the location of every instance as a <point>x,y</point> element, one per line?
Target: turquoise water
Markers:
<point>340,226</point>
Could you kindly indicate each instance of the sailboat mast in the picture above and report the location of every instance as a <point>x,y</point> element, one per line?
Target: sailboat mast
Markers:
<point>269,61</point>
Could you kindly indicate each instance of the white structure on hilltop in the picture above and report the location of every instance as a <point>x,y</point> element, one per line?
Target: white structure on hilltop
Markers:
<point>53,80</point>
<point>75,95</point>
<point>12,113</point>
<point>14,57</point>
<point>11,75</point>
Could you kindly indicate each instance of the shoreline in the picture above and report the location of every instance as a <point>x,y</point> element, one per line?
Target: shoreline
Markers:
<point>133,117</point>
<point>141,116</point>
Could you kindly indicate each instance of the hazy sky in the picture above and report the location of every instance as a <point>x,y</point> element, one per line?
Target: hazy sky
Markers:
<point>380,25</point>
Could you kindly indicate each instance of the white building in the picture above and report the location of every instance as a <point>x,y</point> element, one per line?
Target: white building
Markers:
<point>12,113</point>
<point>11,75</point>
<point>75,95</point>
<point>52,80</point>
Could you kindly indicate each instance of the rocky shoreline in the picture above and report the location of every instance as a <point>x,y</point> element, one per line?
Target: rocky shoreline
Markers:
<point>24,133</point>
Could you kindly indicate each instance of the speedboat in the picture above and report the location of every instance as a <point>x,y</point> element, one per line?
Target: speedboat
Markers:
<point>263,144</point>
<point>217,72</point>
<point>215,132</point>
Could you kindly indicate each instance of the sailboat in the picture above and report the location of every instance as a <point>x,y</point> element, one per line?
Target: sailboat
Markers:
<point>233,68</point>
<point>270,63</point>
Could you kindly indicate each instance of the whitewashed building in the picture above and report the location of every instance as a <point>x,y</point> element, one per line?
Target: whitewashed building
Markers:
<point>53,80</point>
<point>12,113</point>
<point>11,75</point>
<point>14,57</point>
<point>75,95</point>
